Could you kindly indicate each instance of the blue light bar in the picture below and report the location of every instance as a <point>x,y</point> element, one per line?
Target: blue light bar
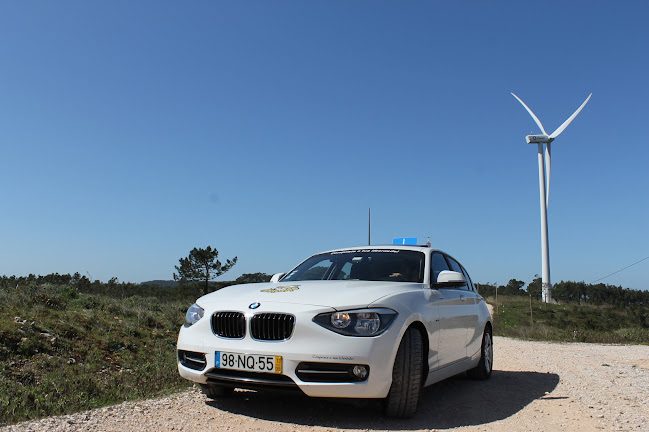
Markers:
<point>405,241</point>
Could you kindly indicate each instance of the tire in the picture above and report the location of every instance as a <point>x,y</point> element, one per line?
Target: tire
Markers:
<point>213,391</point>
<point>483,370</point>
<point>407,372</point>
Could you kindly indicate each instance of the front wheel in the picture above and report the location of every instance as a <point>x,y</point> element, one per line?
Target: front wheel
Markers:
<point>406,376</point>
<point>485,366</point>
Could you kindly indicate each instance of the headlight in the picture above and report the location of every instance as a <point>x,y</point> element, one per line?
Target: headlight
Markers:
<point>341,320</point>
<point>194,313</point>
<point>363,322</point>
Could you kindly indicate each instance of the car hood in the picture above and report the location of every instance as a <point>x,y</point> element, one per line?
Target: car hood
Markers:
<point>334,294</point>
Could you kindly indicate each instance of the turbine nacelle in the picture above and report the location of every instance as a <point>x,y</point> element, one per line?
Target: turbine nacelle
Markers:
<point>538,139</point>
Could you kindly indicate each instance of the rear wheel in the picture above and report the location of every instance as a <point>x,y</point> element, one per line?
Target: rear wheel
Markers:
<point>485,366</point>
<point>213,391</point>
<point>406,376</point>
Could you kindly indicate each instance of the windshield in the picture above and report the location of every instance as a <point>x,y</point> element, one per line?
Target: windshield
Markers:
<point>367,264</point>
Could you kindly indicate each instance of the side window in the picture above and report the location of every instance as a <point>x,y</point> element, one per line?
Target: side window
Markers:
<point>438,263</point>
<point>455,266</point>
<point>468,279</point>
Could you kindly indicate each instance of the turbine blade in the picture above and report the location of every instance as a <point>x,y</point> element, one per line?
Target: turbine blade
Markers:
<point>571,118</point>
<point>538,122</point>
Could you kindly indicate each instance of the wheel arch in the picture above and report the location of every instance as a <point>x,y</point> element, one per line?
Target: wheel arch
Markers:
<point>489,326</point>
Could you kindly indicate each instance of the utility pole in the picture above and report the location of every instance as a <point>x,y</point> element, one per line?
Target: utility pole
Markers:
<point>369,226</point>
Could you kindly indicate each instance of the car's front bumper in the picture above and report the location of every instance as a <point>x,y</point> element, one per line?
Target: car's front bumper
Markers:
<point>309,344</point>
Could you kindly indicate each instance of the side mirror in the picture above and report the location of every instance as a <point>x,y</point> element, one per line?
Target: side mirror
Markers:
<point>276,277</point>
<point>450,279</point>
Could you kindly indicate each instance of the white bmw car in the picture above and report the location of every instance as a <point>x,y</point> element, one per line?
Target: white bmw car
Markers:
<point>363,322</point>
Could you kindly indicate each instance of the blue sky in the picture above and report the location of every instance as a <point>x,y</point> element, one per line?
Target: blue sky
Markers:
<point>131,132</point>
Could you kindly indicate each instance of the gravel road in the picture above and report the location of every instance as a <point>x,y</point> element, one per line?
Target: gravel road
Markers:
<point>536,386</point>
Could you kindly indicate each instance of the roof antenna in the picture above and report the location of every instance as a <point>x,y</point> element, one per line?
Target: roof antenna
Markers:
<point>369,226</point>
<point>428,242</point>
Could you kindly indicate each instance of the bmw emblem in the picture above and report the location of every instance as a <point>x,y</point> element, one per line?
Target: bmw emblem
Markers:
<point>254,305</point>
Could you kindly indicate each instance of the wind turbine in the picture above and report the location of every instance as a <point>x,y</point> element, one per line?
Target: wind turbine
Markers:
<point>544,188</point>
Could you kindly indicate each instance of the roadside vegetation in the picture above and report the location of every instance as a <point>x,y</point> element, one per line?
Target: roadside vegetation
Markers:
<point>69,347</point>
<point>579,312</point>
<point>69,344</point>
<point>516,316</point>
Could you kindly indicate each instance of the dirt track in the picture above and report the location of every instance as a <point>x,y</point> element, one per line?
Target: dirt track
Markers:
<point>536,386</point>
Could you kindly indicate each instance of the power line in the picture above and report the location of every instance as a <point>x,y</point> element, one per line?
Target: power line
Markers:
<point>631,265</point>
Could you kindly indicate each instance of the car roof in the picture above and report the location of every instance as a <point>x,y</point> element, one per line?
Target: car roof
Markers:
<point>418,248</point>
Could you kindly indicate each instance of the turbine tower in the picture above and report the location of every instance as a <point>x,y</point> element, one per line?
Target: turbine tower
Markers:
<point>544,188</point>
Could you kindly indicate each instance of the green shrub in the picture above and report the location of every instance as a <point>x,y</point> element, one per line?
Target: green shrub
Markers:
<point>63,351</point>
<point>569,322</point>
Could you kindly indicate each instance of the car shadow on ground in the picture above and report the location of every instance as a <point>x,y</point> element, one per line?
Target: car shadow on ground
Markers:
<point>455,402</point>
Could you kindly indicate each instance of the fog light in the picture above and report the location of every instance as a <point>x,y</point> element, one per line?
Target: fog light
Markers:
<point>360,372</point>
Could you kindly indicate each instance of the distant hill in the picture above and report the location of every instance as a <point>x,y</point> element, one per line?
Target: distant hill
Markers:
<point>214,285</point>
<point>161,283</point>
<point>244,278</point>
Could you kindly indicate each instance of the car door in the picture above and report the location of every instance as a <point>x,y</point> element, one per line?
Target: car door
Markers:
<point>474,340</point>
<point>452,322</point>
<point>468,306</point>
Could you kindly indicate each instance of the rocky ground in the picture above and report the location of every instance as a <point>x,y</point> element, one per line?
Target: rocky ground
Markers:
<point>536,386</point>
